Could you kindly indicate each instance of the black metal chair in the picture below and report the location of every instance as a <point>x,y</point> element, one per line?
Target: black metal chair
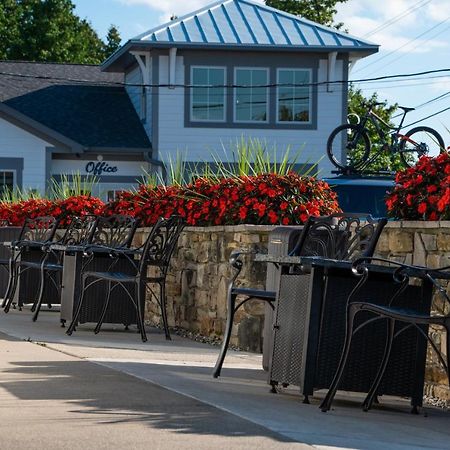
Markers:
<point>341,236</point>
<point>393,314</point>
<point>78,232</point>
<point>4,262</point>
<point>154,255</point>
<point>34,235</point>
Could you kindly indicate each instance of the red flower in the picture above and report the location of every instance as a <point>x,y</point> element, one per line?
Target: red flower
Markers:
<point>422,208</point>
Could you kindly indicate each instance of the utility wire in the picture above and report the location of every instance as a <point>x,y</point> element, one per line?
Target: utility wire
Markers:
<point>411,75</point>
<point>399,16</point>
<point>407,43</point>
<point>428,117</point>
<point>434,99</point>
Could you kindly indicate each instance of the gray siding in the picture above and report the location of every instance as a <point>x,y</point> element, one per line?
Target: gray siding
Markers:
<point>132,78</point>
<point>197,143</point>
<point>18,143</point>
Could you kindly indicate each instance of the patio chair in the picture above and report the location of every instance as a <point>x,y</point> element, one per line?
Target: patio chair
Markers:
<point>394,315</point>
<point>340,236</point>
<point>78,232</point>
<point>150,268</point>
<point>34,235</point>
<point>4,262</point>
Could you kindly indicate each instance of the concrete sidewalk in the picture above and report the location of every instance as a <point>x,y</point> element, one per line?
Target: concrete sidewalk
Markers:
<point>184,367</point>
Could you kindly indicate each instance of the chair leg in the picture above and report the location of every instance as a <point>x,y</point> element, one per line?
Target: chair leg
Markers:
<point>10,280</point>
<point>38,302</point>
<point>74,322</point>
<point>326,403</point>
<point>163,300</point>
<point>140,319</point>
<point>12,292</point>
<point>105,308</point>
<point>231,304</point>
<point>367,404</point>
<point>447,332</point>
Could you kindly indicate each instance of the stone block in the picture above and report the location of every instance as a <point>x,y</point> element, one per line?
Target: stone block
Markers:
<point>443,242</point>
<point>400,241</point>
<point>383,243</point>
<point>255,307</point>
<point>249,334</point>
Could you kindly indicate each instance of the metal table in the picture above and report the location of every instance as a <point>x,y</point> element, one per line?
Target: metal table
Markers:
<point>309,329</point>
<point>120,310</point>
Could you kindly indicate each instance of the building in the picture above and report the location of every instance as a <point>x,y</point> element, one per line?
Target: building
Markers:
<point>51,126</point>
<point>195,85</point>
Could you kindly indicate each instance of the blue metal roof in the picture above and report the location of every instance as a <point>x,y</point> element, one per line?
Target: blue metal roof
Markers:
<point>249,24</point>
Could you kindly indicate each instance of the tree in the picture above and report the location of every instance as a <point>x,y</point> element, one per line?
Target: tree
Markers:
<point>320,11</point>
<point>323,11</point>
<point>47,30</point>
<point>356,105</point>
<point>113,40</point>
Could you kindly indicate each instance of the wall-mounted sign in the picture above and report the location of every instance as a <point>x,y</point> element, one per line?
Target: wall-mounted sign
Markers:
<point>100,168</point>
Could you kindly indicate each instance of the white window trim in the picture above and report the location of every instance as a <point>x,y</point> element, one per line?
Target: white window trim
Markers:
<point>235,120</point>
<point>191,118</point>
<point>294,122</point>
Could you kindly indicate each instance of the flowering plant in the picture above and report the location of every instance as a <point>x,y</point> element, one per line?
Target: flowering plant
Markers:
<point>16,212</point>
<point>261,199</point>
<point>423,191</point>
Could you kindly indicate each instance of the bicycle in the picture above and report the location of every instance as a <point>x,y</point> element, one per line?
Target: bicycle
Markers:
<point>352,143</point>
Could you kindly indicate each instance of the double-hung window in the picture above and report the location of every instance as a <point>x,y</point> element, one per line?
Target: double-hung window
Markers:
<point>251,95</point>
<point>294,95</point>
<point>208,94</point>
<point>6,181</point>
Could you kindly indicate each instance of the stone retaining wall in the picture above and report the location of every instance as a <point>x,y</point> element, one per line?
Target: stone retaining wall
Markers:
<point>196,284</point>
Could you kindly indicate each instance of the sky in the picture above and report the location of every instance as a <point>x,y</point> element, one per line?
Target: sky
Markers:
<point>414,36</point>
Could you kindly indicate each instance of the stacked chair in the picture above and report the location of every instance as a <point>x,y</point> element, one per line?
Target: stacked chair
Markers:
<point>28,253</point>
<point>398,319</point>
<point>340,236</point>
<point>102,242</point>
<point>149,264</point>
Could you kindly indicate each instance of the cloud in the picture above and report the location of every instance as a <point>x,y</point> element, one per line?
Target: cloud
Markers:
<point>171,7</point>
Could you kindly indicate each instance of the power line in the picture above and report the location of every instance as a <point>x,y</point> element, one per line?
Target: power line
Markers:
<point>428,117</point>
<point>406,12</point>
<point>407,43</point>
<point>411,76</point>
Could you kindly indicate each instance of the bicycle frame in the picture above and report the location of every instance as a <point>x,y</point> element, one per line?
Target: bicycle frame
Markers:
<point>375,119</point>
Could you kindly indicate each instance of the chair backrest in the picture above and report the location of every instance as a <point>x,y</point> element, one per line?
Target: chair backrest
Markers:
<point>114,231</point>
<point>80,230</point>
<point>341,236</point>
<point>39,229</point>
<point>161,243</point>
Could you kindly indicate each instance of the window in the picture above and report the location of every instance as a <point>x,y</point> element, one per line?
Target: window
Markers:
<point>208,94</point>
<point>6,181</point>
<point>251,100</point>
<point>294,95</point>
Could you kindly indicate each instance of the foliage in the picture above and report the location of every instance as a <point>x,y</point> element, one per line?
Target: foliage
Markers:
<point>49,30</point>
<point>320,11</point>
<point>248,157</point>
<point>113,40</point>
<point>357,105</point>
<point>63,209</point>
<point>422,192</point>
<point>262,199</point>
<point>72,185</point>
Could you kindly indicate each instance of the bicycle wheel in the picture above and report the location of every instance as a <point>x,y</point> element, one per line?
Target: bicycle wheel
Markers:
<point>418,142</point>
<point>348,146</point>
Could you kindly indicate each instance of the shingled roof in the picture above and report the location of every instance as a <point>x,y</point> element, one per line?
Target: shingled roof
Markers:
<point>78,102</point>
